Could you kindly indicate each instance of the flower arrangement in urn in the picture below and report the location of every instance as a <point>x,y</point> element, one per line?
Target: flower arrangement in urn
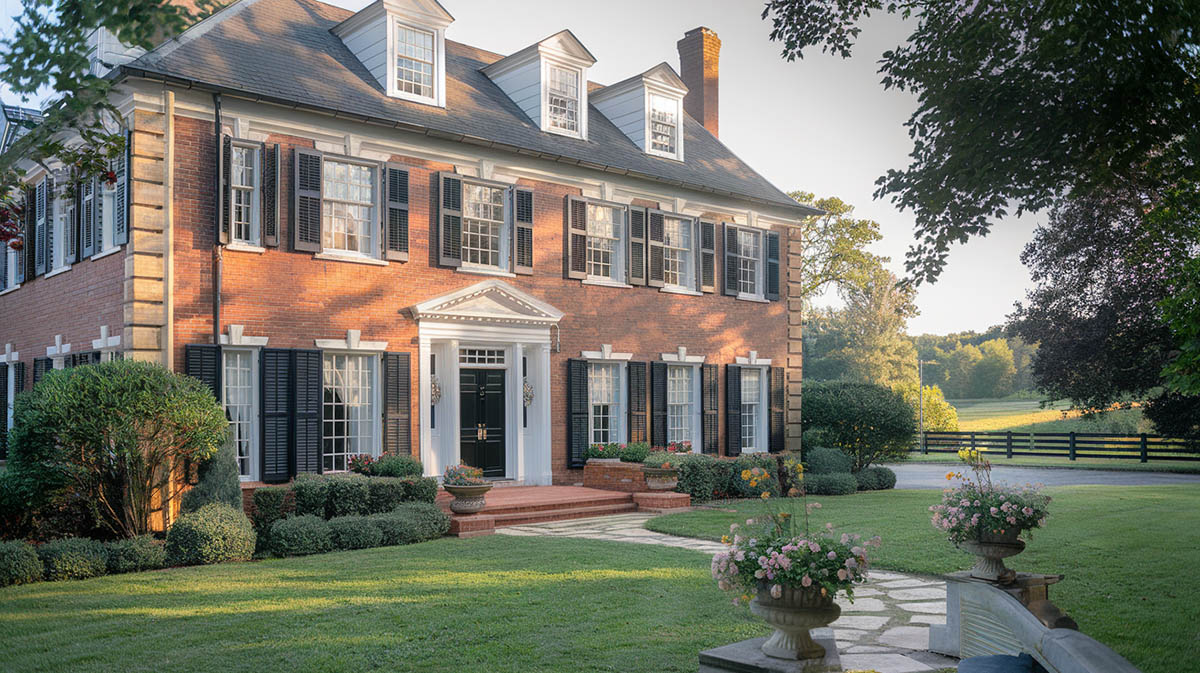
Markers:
<point>988,519</point>
<point>788,574</point>
<point>468,487</point>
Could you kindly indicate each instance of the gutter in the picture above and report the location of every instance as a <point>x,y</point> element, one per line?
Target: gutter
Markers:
<point>218,201</point>
<point>216,90</point>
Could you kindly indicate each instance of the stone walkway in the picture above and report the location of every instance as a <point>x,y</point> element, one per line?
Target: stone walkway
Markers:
<point>885,629</point>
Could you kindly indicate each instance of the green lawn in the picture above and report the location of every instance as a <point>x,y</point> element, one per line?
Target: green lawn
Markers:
<point>497,603</point>
<point>985,415</point>
<point>998,458</point>
<point>1127,553</point>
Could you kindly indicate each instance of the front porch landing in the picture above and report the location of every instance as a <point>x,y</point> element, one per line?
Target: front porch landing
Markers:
<point>522,505</point>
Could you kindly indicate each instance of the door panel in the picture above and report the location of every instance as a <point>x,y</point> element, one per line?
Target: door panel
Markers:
<point>481,441</point>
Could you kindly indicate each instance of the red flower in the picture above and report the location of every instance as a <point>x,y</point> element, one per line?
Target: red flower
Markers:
<point>110,177</point>
<point>16,244</point>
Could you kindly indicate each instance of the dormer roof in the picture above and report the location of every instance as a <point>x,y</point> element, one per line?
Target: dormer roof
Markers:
<point>562,44</point>
<point>429,13</point>
<point>660,76</point>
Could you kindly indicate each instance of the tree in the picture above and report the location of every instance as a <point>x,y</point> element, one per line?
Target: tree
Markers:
<point>834,245</point>
<point>959,366</point>
<point>994,372</point>
<point>1021,102</point>
<point>940,415</point>
<point>868,422</point>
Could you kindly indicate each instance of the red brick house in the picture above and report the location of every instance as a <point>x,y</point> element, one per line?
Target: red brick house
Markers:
<point>367,237</point>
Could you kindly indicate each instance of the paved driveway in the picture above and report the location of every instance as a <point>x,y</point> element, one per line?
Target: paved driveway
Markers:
<point>933,476</point>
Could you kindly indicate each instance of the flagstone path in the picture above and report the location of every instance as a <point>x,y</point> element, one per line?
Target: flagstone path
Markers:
<point>885,629</point>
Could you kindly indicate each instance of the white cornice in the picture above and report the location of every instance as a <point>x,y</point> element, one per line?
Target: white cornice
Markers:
<point>605,353</point>
<point>681,356</point>
<point>491,301</point>
<point>352,342</point>
<point>753,360</point>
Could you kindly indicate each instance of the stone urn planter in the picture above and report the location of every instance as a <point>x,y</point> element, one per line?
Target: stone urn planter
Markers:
<point>467,499</point>
<point>661,478</point>
<point>797,610</point>
<point>991,550</point>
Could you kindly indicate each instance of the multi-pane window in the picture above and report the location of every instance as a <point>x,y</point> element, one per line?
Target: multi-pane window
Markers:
<point>483,224</point>
<point>604,250</point>
<point>64,233</point>
<point>481,356</point>
<point>238,390</point>
<point>243,179</point>
<point>348,412</point>
<point>664,124</point>
<point>414,61</point>
<point>748,253</point>
<point>348,207</point>
<point>605,395</point>
<point>105,236</point>
<point>563,98</point>
<point>751,407</point>
<point>680,404</point>
<point>677,252</point>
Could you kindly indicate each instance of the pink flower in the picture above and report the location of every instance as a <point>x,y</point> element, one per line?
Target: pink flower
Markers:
<point>831,555</point>
<point>842,574</point>
<point>994,511</point>
<point>814,547</point>
<point>806,581</point>
<point>776,591</point>
<point>845,538</point>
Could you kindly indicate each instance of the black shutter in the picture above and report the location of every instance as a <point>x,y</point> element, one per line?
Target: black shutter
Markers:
<point>98,214</point>
<point>40,367</point>
<point>226,170</point>
<point>523,232</point>
<point>74,237</point>
<point>658,404</point>
<point>4,410</point>
<point>576,238</point>
<point>733,410</point>
<point>708,256</point>
<point>18,371</point>
<point>121,199</point>
<point>656,237</point>
<point>48,217</point>
<point>777,403</point>
<point>203,361</point>
<point>39,236</point>
<point>395,224</point>
<point>29,257</point>
<point>577,412</point>
<point>731,261</point>
<point>270,195</point>
<point>87,217</point>
<point>637,402</point>
<point>637,246</point>
<point>397,404</point>
<point>306,204</point>
<point>3,265</point>
<point>772,265</point>
<point>306,417</point>
<point>275,368</point>
<point>450,220</point>
<point>709,381</point>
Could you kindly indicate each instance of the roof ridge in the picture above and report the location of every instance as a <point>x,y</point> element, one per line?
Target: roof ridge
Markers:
<point>199,28</point>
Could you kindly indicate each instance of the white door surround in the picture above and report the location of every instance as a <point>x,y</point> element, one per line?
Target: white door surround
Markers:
<point>493,315</point>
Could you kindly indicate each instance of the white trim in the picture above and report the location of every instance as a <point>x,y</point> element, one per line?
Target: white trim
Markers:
<point>6,291</point>
<point>343,257</point>
<point>236,337</point>
<point>352,342</point>
<point>681,356</point>
<point>495,302</point>
<point>601,281</point>
<point>59,348</point>
<point>106,342</point>
<point>605,353</point>
<point>238,246</point>
<point>763,432</point>
<point>753,360</point>
<point>752,297</point>
<point>676,289</point>
<point>485,271</point>
<point>105,253</point>
<point>59,270</point>
<point>10,355</point>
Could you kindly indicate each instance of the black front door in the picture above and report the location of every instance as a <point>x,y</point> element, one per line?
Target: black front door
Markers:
<point>481,393</point>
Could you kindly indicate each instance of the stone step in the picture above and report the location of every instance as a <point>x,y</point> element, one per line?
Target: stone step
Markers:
<point>499,506</point>
<point>521,518</point>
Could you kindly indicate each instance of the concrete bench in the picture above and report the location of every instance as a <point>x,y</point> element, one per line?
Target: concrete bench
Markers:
<point>983,619</point>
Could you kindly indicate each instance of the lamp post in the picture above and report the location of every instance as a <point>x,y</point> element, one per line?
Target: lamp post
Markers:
<point>921,401</point>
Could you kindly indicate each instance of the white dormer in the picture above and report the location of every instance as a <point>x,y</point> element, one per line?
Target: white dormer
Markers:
<point>548,81</point>
<point>648,108</point>
<point>403,44</point>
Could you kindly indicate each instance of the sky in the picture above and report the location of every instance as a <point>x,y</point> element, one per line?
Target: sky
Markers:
<point>822,124</point>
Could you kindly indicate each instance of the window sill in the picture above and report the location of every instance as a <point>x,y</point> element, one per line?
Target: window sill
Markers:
<point>754,298</point>
<point>680,290</point>
<point>486,272</point>
<point>6,291</point>
<point>105,253</point>
<point>335,257</point>
<point>246,247</point>
<point>664,155</point>
<point>605,282</point>
<point>61,269</point>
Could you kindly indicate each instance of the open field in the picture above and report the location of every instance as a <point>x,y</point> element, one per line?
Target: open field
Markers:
<point>1122,550</point>
<point>1132,464</point>
<point>1028,416</point>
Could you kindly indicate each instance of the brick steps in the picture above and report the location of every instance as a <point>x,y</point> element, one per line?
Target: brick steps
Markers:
<point>518,506</point>
<point>561,514</point>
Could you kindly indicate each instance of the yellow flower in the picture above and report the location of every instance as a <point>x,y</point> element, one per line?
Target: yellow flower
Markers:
<point>745,474</point>
<point>949,476</point>
<point>765,495</point>
<point>724,539</point>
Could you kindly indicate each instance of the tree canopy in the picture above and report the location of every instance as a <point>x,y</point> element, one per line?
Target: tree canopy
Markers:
<point>834,246</point>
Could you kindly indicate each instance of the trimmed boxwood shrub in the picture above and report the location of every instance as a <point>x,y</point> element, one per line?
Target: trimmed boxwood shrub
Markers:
<point>219,480</point>
<point>412,522</point>
<point>420,489</point>
<point>310,493</point>
<point>385,493</point>
<point>19,563</point>
<point>390,465</point>
<point>354,532</point>
<point>838,483</point>
<point>820,460</point>
<point>269,504</point>
<point>73,558</point>
<point>635,452</point>
<point>347,495</point>
<point>215,533</point>
<point>300,536</point>
<point>136,553</point>
<point>875,478</point>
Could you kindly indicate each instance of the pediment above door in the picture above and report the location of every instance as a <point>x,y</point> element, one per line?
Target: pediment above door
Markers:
<point>492,301</point>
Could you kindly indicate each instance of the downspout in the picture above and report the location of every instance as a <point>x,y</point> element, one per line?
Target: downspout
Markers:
<point>217,205</point>
<point>169,226</point>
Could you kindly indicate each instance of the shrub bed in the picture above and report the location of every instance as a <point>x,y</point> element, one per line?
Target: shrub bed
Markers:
<point>389,465</point>
<point>73,558</point>
<point>354,532</point>
<point>384,493</point>
<point>838,483</point>
<point>821,460</point>
<point>310,493</point>
<point>136,553</point>
<point>420,489</point>
<point>739,488</point>
<point>875,478</point>
<point>300,536</point>
<point>425,521</point>
<point>347,495</point>
<point>215,533</point>
<point>705,477</point>
<point>19,563</point>
<point>269,505</point>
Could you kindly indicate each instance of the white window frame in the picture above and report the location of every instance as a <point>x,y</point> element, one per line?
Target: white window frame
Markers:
<point>10,269</point>
<point>618,413</point>
<point>651,97</point>
<point>696,403</point>
<point>397,27</point>
<point>373,222</point>
<point>689,256</point>
<point>760,430</point>
<point>255,469</point>
<point>618,275</point>
<point>580,130</point>
<point>376,402</point>
<point>11,382</point>
<point>504,252</point>
<point>760,263</point>
<point>105,232</point>
<point>254,189</point>
<point>438,96</point>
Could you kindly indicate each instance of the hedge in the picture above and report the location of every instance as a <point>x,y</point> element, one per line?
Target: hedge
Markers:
<point>354,532</point>
<point>301,536</point>
<point>420,489</point>
<point>19,563</point>
<point>423,521</point>
<point>347,495</point>
<point>136,553</point>
<point>838,483</point>
<point>310,493</point>
<point>875,478</point>
<point>389,465</point>
<point>215,533</point>
<point>73,558</point>
<point>269,504</point>
<point>820,460</point>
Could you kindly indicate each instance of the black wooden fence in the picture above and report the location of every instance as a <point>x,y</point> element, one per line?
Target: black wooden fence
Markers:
<point>1070,445</point>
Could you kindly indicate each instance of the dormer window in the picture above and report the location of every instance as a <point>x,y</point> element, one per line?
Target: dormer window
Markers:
<point>664,124</point>
<point>648,109</point>
<point>402,43</point>
<point>562,99</point>
<point>414,61</point>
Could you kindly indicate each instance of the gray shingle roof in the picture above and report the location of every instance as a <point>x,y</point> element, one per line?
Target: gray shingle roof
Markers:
<point>283,51</point>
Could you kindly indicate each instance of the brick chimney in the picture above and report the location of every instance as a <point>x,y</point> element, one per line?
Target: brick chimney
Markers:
<point>699,51</point>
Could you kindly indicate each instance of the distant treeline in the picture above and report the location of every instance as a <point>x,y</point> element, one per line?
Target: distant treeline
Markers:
<point>976,364</point>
